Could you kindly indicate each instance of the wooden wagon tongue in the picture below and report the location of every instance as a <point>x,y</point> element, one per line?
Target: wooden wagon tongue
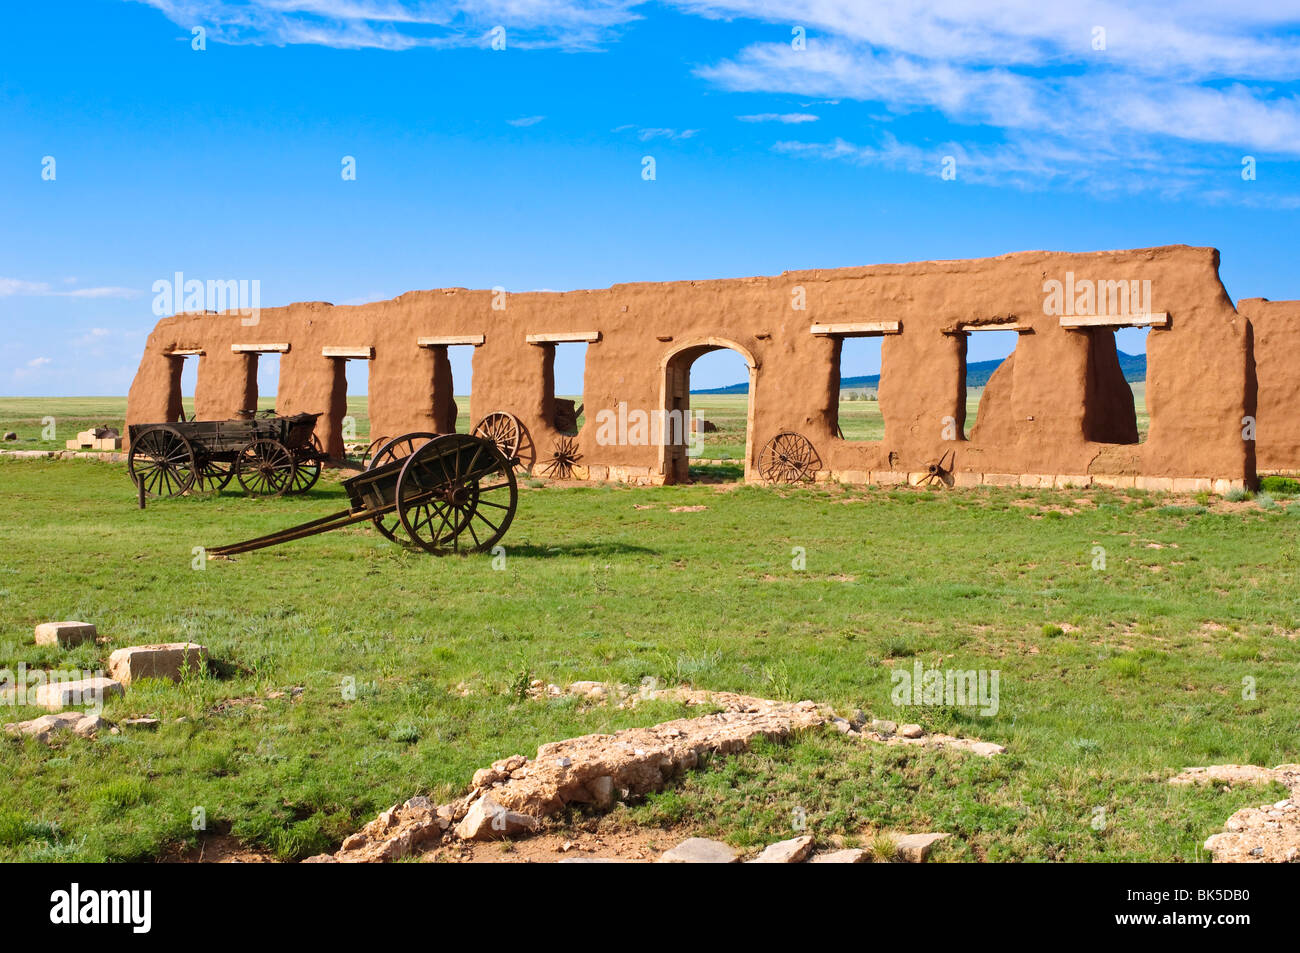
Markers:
<point>442,489</point>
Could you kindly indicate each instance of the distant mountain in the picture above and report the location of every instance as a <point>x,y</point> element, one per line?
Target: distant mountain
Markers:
<point>1134,367</point>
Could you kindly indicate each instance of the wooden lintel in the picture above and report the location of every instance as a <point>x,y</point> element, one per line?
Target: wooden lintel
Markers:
<point>858,329</point>
<point>443,340</point>
<point>1156,319</point>
<point>260,348</point>
<point>349,353</point>
<point>565,337</point>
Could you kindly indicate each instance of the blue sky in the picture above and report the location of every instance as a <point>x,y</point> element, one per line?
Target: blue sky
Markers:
<point>522,167</point>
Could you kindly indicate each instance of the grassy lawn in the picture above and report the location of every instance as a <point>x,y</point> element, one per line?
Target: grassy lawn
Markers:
<point>1111,680</point>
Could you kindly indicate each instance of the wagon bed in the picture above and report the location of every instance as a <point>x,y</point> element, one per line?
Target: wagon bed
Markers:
<point>267,455</point>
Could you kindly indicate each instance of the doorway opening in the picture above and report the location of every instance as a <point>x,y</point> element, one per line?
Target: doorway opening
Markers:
<point>713,422</point>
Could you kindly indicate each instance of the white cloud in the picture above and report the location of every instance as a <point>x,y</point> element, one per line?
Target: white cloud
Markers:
<point>787,118</point>
<point>16,287</point>
<point>1198,81</point>
<point>404,24</point>
<point>526,121</point>
<point>38,362</point>
<point>645,135</point>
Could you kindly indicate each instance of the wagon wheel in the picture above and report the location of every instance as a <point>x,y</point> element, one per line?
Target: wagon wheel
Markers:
<point>398,448</point>
<point>162,461</point>
<point>368,457</point>
<point>215,475</point>
<point>504,430</point>
<point>511,437</point>
<point>265,468</point>
<point>450,504</point>
<point>563,458</point>
<point>788,458</point>
<point>307,467</point>
<point>938,472</point>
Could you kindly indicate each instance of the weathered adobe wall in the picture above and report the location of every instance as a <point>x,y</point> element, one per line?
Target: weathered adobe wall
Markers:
<point>1053,412</point>
<point>1275,328</point>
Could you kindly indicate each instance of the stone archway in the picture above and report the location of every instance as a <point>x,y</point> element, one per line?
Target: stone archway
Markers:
<point>675,397</point>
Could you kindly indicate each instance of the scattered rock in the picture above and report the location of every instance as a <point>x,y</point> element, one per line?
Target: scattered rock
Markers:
<point>167,660</point>
<point>912,731</point>
<point>1268,834</point>
<point>699,850</point>
<point>848,856</point>
<point>599,769</point>
<point>488,820</point>
<point>65,634</point>
<point>915,848</point>
<point>687,509</point>
<point>85,693</point>
<point>793,851</point>
<point>142,724</point>
<point>47,726</point>
<point>884,727</point>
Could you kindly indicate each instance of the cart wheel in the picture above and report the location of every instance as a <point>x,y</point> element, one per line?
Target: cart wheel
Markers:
<point>367,458</point>
<point>162,461</point>
<point>306,472</point>
<point>788,458</point>
<point>265,468</point>
<point>456,494</point>
<point>215,475</point>
<point>563,458</point>
<point>399,448</point>
<point>307,466</point>
<point>502,429</point>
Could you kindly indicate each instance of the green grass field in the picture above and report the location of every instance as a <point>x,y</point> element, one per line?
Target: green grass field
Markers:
<point>1111,680</point>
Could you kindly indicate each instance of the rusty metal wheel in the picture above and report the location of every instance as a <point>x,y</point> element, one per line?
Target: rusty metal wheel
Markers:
<point>398,448</point>
<point>265,468</point>
<point>162,462</point>
<point>563,459</point>
<point>788,457</point>
<point>456,494</point>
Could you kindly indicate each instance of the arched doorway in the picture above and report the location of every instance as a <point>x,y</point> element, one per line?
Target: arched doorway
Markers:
<point>675,401</point>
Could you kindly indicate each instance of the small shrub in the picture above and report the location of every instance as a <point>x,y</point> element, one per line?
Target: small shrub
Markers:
<point>1052,631</point>
<point>884,848</point>
<point>1280,485</point>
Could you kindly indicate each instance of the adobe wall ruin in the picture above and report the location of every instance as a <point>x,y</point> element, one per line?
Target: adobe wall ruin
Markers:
<point>1056,412</point>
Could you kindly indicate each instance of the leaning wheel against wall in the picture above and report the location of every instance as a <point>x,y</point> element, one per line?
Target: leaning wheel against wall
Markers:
<point>788,457</point>
<point>510,436</point>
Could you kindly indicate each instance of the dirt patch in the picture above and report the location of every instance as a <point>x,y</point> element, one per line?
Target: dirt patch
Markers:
<point>217,849</point>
